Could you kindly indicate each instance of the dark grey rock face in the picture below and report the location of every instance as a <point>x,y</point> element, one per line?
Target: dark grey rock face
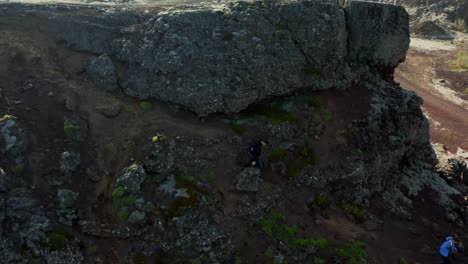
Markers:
<point>131,178</point>
<point>66,211</point>
<point>248,180</point>
<point>380,42</point>
<point>224,60</point>
<point>102,71</point>
<point>13,139</point>
<point>69,162</point>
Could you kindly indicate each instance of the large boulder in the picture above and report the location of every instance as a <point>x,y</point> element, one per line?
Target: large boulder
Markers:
<point>69,162</point>
<point>248,180</point>
<point>212,60</point>
<point>131,178</point>
<point>13,140</point>
<point>102,71</point>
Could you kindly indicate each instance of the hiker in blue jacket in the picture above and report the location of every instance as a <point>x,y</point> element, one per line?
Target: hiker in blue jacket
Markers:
<point>255,149</point>
<point>448,248</point>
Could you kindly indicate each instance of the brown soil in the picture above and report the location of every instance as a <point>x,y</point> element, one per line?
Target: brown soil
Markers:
<point>449,121</point>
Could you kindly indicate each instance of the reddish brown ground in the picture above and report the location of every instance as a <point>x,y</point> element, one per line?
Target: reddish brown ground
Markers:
<point>449,121</point>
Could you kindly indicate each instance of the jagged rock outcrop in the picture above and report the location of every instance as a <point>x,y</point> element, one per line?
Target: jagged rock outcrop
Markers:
<point>225,59</point>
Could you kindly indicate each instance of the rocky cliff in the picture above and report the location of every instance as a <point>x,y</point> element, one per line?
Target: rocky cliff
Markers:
<point>90,175</point>
<point>226,59</point>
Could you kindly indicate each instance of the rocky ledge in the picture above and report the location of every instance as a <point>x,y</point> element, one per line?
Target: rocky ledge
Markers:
<point>226,58</point>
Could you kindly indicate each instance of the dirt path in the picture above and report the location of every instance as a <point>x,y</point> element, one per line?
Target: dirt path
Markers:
<point>446,110</point>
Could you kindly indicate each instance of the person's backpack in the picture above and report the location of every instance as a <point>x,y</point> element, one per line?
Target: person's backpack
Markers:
<point>252,145</point>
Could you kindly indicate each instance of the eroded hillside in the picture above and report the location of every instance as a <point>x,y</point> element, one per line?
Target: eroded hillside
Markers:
<point>124,136</point>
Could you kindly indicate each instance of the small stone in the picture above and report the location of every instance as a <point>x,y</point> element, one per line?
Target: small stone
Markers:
<point>137,217</point>
<point>50,94</point>
<point>27,86</point>
<point>71,103</point>
<point>110,111</point>
<point>69,162</point>
<point>93,174</point>
<point>102,70</point>
<point>131,178</point>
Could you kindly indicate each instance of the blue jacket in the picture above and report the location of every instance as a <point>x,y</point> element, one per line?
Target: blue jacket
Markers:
<point>447,247</point>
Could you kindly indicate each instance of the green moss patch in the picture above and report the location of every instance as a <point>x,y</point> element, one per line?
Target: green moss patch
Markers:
<point>92,250</point>
<point>71,131</point>
<point>353,253</point>
<point>58,238</point>
<point>327,116</point>
<point>18,169</point>
<point>359,213</point>
<point>276,154</point>
<point>319,261</point>
<point>273,114</point>
<point>118,192</point>
<point>320,202</point>
<point>238,128</point>
<point>120,200</point>
<point>146,106</point>
<point>275,228</point>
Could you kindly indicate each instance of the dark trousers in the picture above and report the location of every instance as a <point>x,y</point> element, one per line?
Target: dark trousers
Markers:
<point>446,260</point>
<point>258,161</point>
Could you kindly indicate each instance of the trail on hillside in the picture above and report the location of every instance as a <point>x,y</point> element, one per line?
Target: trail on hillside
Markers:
<point>446,109</point>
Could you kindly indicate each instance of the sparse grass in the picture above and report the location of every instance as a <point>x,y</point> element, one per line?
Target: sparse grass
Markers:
<point>402,261</point>
<point>352,253</point>
<point>320,202</point>
<point>276,154</point>
<point>184,180</point>
<point>238,128</point>
<point>282,117</point>
<point>92,250</point>
<point>58,238</point>
<point>119,200</point>
<point>277,215</point>
<point>146,106</point>
<point>305,157</point>
<point>288,235</point>
<point>18,169</point>
<point>319,261</point>
<point>359,151</point>
<point>274,114</point>
<point>118,192</point>
<point>308,156</point>
<point>138,258</point>
<point>71,131</point>
<point>460,63</point>
<point>327,116</point>
<point>356,211</point>
<point>122,215</point>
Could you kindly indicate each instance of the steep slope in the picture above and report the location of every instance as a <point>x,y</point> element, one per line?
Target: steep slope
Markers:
<point>91,175</point>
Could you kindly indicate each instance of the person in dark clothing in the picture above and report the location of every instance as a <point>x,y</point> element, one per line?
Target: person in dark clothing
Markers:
<point>255,149</point>
<point>448,248</point>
